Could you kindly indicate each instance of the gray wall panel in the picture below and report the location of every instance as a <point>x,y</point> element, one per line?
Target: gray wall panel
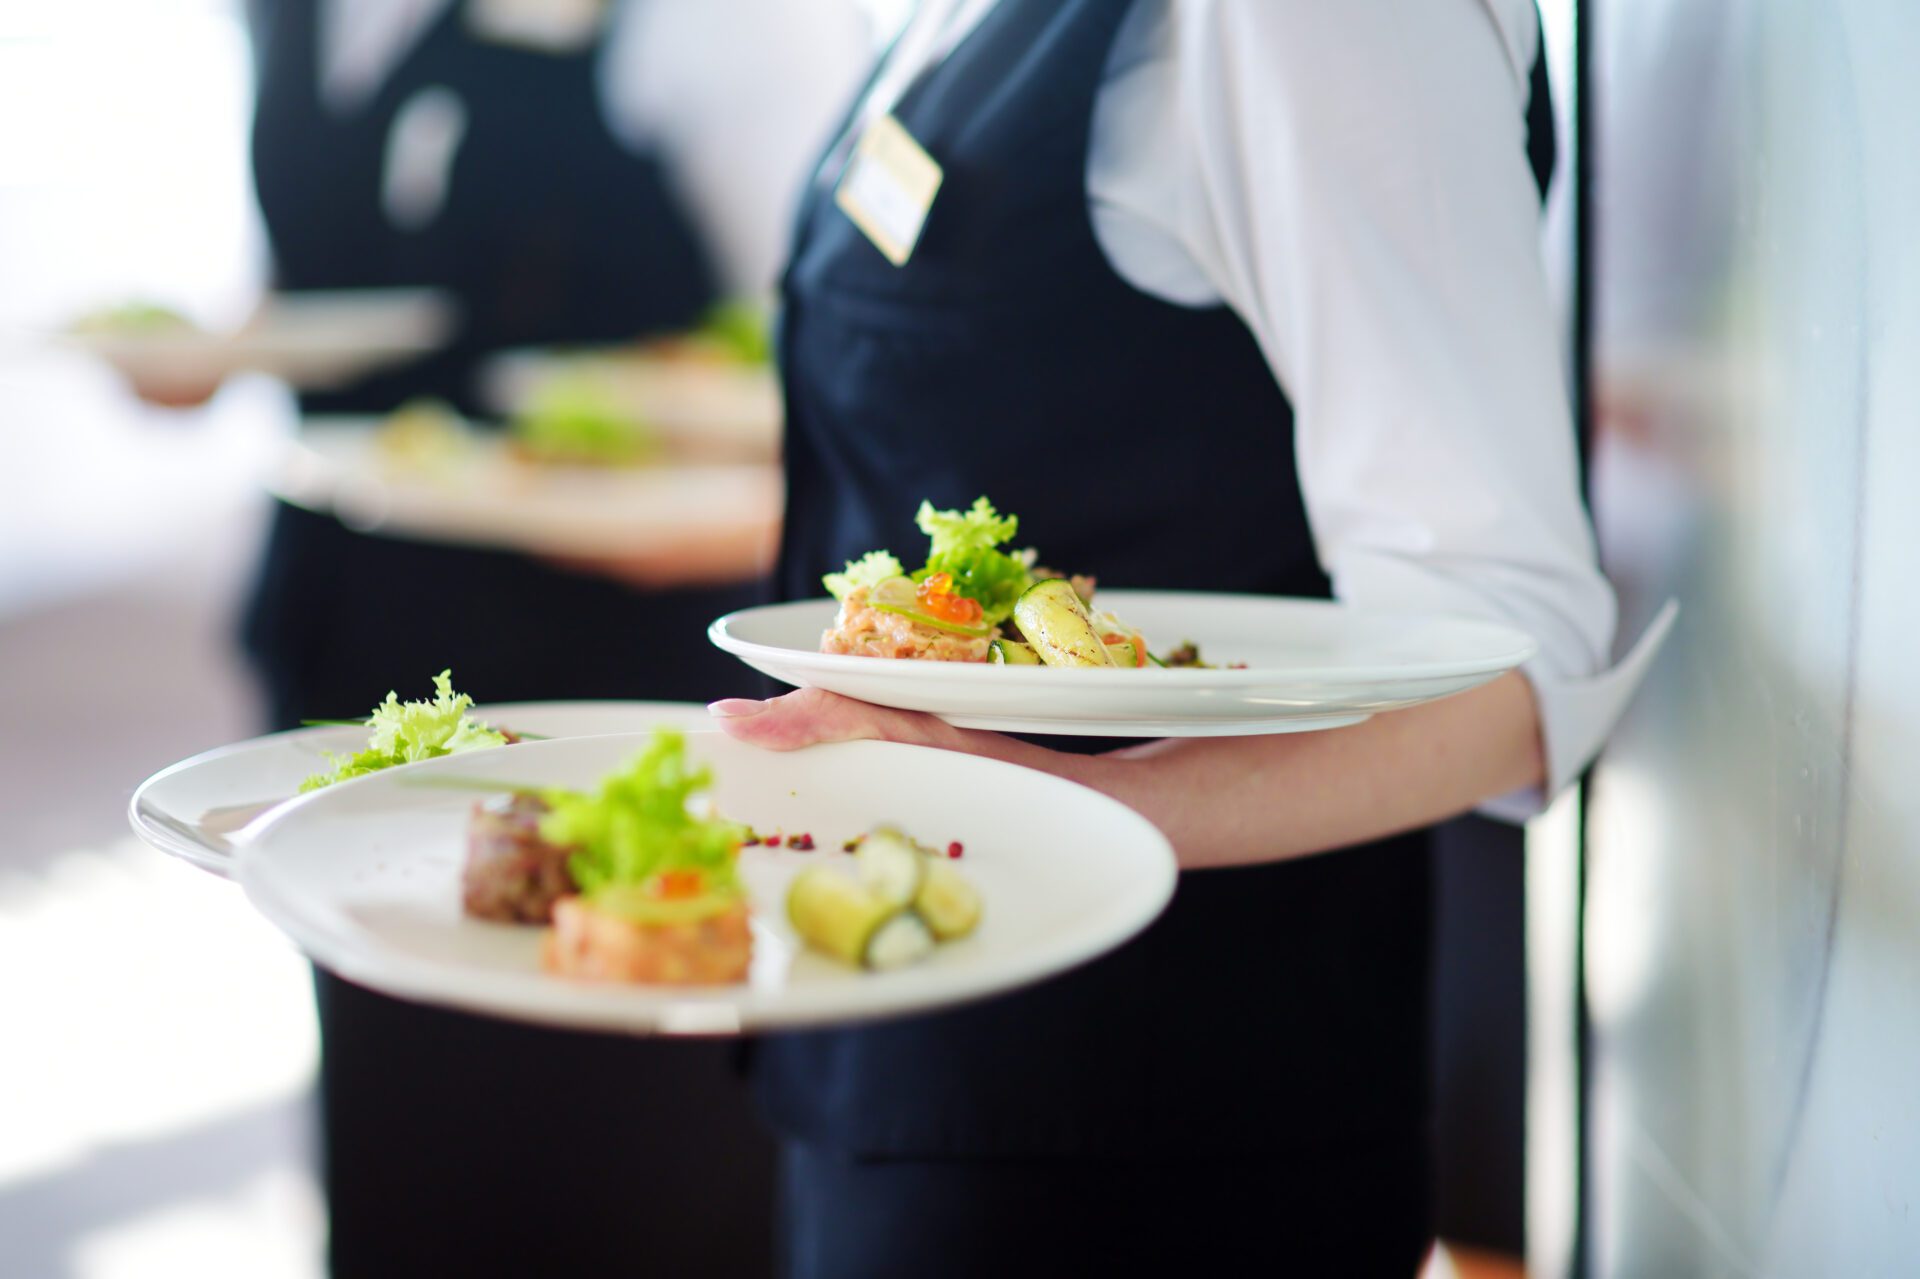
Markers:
<point>1753,942</point>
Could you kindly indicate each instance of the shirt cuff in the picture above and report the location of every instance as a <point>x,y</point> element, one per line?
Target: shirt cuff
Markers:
<point>1577,715</point>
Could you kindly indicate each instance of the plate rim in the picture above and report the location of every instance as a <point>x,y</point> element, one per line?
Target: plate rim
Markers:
<point>156,834</point>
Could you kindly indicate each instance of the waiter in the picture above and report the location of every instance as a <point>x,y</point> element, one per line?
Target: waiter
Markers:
<point>571,174</point>
<point>1226,295</point>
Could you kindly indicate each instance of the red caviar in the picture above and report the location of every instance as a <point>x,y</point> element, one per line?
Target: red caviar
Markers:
<point>673,884</point>
<point>937,599</point>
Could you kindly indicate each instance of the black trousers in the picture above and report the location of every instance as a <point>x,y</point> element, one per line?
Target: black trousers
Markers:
<point>1358,1210</point>
<point>462,1146</point>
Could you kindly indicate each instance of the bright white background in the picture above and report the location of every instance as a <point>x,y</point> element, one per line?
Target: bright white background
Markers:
<point>159,1039</point>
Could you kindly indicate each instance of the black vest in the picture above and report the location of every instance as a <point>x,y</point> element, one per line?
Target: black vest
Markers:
<point>1147,443</point>
<point>551,231</point>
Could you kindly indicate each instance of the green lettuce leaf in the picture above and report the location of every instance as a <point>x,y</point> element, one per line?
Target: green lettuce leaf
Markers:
<point>405,732</point>
<point>965,546</point>
<point>576,417</point>
<point>873,567</point>
<point>741,329</point>
<point>637,824</point>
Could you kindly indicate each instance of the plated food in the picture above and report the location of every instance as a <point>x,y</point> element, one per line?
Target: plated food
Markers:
<point>370,879</point>
<point>311,339</point>
<point>639,881</point>
<point>576,420</point>
<point>976,601</point>
<point>708,393</point>
<point>133,318</point>
<point>1308,665</point>
<point>655,894</point>
<point>423,473</point>
<point>903,899</point>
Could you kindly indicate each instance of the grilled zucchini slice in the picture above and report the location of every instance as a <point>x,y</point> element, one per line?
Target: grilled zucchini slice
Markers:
<point>1056,623</point>
<point>1006,652</point>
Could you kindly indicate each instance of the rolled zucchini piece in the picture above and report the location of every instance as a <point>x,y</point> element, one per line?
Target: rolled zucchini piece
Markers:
<point>900,940</point>
<point>1006,652</point>
<point>839,915</point>
<point>835,914</point>
<point>947,901</point>
<point>891,866</point>
<point>1056,623</point>
<point>1124,654</point>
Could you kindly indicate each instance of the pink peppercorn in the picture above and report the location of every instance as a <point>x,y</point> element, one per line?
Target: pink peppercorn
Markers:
<point>954,849</point>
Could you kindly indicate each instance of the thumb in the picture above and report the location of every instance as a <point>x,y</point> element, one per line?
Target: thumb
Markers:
<point>809,716</point>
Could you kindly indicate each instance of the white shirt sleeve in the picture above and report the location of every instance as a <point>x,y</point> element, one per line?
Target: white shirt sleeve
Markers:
<point>1352,179</point>
<point>738,96</point>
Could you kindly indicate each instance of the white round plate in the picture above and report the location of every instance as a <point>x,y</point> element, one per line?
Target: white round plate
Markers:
<point>1311,664</point>
<point>310,340</point>
<point>195,809</point>
<point>486,497</point>
<point>702,409</point>
<point>365,878</point>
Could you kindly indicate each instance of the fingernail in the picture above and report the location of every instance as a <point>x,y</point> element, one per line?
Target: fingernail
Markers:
<point>735,708</point>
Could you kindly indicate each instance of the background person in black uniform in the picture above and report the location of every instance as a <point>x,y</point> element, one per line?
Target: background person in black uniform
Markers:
<point>1235,295</point>
<point>503,151</point>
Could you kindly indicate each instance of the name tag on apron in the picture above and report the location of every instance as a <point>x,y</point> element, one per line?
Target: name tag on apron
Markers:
<point>888,188</point>
<point>541,26</point>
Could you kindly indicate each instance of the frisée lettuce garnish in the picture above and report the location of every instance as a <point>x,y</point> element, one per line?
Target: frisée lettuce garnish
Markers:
<point>868,571</point>
<point>639,847</point>
<point>407,732</point>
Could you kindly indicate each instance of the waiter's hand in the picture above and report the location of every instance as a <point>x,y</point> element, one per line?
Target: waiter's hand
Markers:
<point>810,716</point>
<point>1227,801</point>
<point>174,392</point>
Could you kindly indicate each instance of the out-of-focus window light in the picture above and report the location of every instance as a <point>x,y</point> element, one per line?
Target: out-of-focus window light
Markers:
<point>160,1038</point>
<point>123,176</point>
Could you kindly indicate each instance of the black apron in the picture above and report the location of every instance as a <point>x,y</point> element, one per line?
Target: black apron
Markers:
<point>454,1144</point>
<point>1275,1014</point>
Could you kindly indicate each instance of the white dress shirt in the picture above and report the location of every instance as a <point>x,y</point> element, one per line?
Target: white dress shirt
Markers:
<point>1352,180</point>
<point>735,95</point>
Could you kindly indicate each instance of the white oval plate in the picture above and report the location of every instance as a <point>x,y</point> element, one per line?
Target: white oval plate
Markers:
<point>366,879</point>
<point>195,809</point>
<point>312,340</point>
<point>486,497</point>
<point>1311,664</point>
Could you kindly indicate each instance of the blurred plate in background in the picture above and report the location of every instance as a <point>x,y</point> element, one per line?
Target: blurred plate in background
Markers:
<point>481,494</point>
<point>700,407</point>
<point>310,340</point>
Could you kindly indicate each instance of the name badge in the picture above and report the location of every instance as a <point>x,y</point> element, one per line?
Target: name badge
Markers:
<point>540,26</point>
<point>888,188</point>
